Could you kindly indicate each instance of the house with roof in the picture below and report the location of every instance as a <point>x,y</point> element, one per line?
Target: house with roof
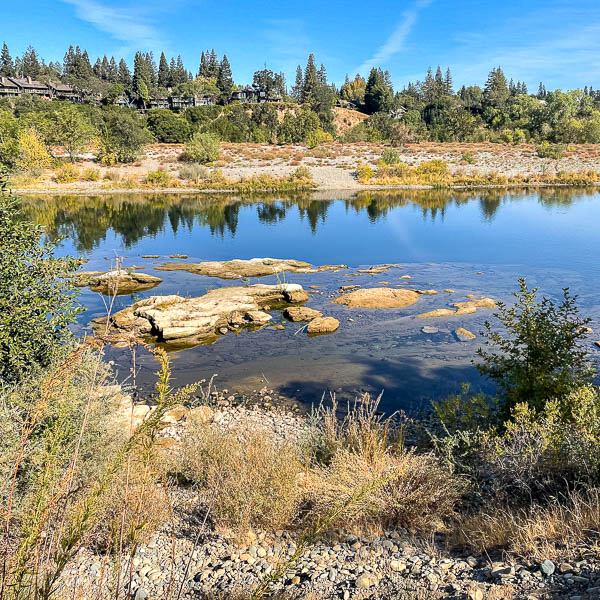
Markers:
<point>8,88</point>
<point>62,91</point>
<point>27,85</point>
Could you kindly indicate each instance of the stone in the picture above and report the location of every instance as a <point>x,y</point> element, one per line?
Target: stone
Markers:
<point>464,335</point>
<point>429,329</point>
<point>257,316</point>
<point>439,312</point>
<point>173,318</point>
<point>476,594</point>
<point>449,291</point>
<point>427,292</point>
<point>398,566</point>
<point>547,567</point>
<point>201,414</point>
<point>463,307</point>
<point>597,344</point>
<point>175,414</point>
<point>323,325</point>
<point>254,267</point>
<point>141,594</point>
<point>405,277</point>
<point>301,313</point>
<point>366,581</point>
<point>585,330</point>
<point>378,298</point>
<point>119,282</point>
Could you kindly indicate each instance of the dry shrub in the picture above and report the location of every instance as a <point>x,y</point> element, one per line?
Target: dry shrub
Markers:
<point>409,490</point>
<point>112,175</point>
<point>66,173</point>
<point>252,477</point>
<point>550,531</point>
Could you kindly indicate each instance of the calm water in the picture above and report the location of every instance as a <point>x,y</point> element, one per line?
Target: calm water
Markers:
<point>472,243</point>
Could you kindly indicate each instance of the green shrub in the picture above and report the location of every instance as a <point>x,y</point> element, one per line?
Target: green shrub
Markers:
<point>390,156</point>
<point>91,175</point>
<point>36,303</point>
<point>66,173</point>
<point>540,357</point>
<point>203,148</point>
<point>548,150</point>
<point>468,158</point>
<point>158,179</point>
<point>167,127</point>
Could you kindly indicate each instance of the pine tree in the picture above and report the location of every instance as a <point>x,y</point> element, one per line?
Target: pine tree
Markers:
<point>18,67</point>
<point>97,68</point>
<point>523,88</point>
<point>322,75</point>
<point>378,91</point>
<point>439,83</point>
<point>163,71</point>
<point>496,92</point>
<point>31,64</point>
<point>69,61</point>
<point>311,80</point>
<point>225,78</point>
<point>124,76</point>
<point>104,68</point>
<point>298,84</point>
<point>428,87</point>
<point>113,72</point>
<point>86,66</point>
<point>203,68</point>
<point>213,65</point>
<point>7,67</point>
<point>448,83</point>
<point>180,71</point>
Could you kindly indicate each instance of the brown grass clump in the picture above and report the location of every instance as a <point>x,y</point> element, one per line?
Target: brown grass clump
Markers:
<point>553,530</point>
<point>416,492</point>
<point>252,477</point>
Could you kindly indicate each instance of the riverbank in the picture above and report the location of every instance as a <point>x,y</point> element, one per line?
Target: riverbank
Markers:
<point>331,166</point>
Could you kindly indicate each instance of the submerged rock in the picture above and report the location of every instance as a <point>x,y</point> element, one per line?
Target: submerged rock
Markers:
<point>254,267</point>
<point>173,319</point>
<point>427,292</point>
<point>378,298</point>
<point>119,282</point>
<point>467,308</point>
<point>464,335</point>
<point>429,329</point>
<point>439,312</point>
<point>323,325</point>
<point>301,313</point>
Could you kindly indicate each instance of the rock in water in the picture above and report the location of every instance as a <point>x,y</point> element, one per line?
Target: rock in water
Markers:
<point>301,313</point>
<point>464,335</point>
<point>255,267</point>
<point>174,319</point>
<point>440,312</point>
<point>323,325</point>
<point>429,329</point>
<point>121,282</point>
<point>378,298</point>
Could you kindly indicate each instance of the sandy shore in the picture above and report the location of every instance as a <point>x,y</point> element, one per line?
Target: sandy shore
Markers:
<point>332,165</point>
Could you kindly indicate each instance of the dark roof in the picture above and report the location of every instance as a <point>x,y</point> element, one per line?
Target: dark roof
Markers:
<point>27,82</point>
<point>6,82</point>
<point>61,87</point>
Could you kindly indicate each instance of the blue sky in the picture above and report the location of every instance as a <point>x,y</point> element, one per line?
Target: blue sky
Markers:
<point>557,41</point>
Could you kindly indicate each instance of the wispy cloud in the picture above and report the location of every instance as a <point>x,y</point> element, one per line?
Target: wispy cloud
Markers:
<point>128,25</point>
<point>395,42</point>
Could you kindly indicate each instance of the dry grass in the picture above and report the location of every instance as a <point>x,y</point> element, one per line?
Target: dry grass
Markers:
<point>253,478</point>
<point>553,530</point>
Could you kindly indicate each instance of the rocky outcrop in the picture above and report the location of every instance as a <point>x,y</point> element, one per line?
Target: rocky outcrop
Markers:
<point>462,308</point>
<point>323,325</point>
<point>174,319</point>
<point>438,312</point>
<point>378,298</point>
<point>254,267</point>
<point>464,335</point>
<point>119,282</point>
<point>301,313</point>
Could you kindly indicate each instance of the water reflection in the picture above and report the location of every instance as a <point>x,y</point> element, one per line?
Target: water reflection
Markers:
<point>87,219</point>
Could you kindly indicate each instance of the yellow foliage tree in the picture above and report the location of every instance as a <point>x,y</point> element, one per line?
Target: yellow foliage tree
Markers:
<point>32,150</point>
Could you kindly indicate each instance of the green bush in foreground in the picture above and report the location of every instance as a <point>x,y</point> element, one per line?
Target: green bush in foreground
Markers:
<point>203,148</point>
<point>36,303</point>
<point>540,356</point>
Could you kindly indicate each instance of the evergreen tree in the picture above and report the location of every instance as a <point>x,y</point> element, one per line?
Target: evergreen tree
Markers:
<point>142,76</point>
<point>378,91</point>
<point>439,84</point>
<point>203,68</point>
<point>213,65</point>
<point>180,72</point>
<point>448,83</point>
<point>7,67</point>
<point>18,67</point>
<point>113,72</point>
<point>97,68</point>
<point>541,91</point>
<point>172,72</point>
<point>428,87</point>
<point>31,64</point>
<point>69,61</point>
<point>104,68</point>
<point>86,66</point>
<point>311,80</point>
<point>225,78</point>
<point>124,75</point>
<point>322,75</point>
<point>496,92</point>
<point>164,75</point>
<point>298,84</point>
<point>523,88</point>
